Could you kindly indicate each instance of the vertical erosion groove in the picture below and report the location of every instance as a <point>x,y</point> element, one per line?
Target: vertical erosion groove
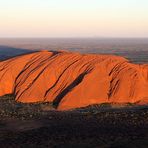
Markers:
<point>60,96</point>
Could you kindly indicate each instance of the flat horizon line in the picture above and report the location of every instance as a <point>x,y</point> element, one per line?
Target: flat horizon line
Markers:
<point>73,37</point>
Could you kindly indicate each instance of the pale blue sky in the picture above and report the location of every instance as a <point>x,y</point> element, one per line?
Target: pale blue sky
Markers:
<point>73,18</point>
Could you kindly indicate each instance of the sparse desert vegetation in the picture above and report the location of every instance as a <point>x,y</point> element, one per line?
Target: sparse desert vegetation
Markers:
<point>100,126</point>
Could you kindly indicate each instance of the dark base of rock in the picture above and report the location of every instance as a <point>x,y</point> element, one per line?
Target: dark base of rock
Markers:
<point>36,125</point>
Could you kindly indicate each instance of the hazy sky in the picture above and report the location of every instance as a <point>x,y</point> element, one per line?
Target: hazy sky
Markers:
<point>73,18</point>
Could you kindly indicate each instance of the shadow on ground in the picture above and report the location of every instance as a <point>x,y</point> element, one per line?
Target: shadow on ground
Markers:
<point>33,125</point>
<point>8,52</point>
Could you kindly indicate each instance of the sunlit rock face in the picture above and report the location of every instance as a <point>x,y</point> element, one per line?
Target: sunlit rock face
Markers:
<point>72,80</point>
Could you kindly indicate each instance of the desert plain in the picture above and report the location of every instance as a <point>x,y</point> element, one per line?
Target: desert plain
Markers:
<point>73,93</point>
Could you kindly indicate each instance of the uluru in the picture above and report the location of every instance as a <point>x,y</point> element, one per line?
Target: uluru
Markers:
<point>72,80</point>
